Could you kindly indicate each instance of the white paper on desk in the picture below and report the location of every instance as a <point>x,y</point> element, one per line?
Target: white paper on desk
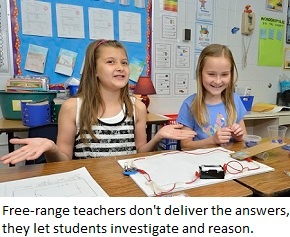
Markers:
<point>167,169</point>
<point>76,183</point>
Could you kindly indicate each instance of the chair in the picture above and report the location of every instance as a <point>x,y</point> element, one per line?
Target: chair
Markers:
<point>46,131</point>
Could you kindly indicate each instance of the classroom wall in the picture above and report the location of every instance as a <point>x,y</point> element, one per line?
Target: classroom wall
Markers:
<point>227,14</point>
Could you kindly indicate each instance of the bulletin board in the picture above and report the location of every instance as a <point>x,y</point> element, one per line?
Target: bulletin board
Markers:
<point>138,50</point>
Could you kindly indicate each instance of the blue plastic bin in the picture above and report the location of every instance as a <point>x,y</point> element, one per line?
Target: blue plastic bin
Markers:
<point>73,89</point>
<point>247,101</point>
<point>34,114</point>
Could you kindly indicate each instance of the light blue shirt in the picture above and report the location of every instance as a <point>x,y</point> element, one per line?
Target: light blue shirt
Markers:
<point>217,116</point>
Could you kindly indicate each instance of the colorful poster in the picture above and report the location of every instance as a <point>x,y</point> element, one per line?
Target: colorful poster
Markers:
<point>271,42</point>
<point>136,67</point>
<point>36,58</point>
<point>170,5</point>
<point>204,34</point>
<point>65,62</point>
<point>274,5</point>
<point>205,10</point>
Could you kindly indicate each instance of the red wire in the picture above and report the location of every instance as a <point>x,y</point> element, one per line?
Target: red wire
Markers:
<point>238,170</point>
<point>197,174</point>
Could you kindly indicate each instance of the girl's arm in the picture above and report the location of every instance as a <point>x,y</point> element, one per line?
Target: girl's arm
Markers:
<point>32,148</point>
<point>168,131</point>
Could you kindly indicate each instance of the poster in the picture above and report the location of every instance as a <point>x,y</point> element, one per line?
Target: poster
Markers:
<point>274,5</point>
<point>205,9</point>
<point>204,34</point>
<point>36,58</point>
<point>271,42</point>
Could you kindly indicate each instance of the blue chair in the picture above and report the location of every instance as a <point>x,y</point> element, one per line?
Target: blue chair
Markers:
<point>46,131</point>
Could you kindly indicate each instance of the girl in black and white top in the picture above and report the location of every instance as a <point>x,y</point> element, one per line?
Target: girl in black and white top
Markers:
<point>102,119</point>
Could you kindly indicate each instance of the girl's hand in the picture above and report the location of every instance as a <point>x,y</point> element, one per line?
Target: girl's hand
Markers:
<point>32,148</point>
<point>237,132</point>
<point>222,135</point>
<point>175,132</point>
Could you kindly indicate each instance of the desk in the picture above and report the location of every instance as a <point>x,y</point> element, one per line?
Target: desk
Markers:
<point>275,183</point>
<point>257,122</point>
<point>11,126</point>
<point>108,173</point>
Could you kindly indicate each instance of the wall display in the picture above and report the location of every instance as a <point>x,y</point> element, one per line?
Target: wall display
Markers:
<point>162,83</point>
<point>288,24</point>
<point>162,55</point>
<point>271,42</point>
<point>204,35</point>
<point>274,5</point>
<point>169,27</point>
<point>101,23</point>
<point>182,58</point>
<point>36,18</point>
<point>205,10</point>
<point>70,25</point>
<point>36,58</point>
<point>181,83</point>
<point>170,5</point>
<point>287,58</point>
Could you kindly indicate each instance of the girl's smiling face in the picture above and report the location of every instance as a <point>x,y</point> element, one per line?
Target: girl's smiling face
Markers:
<point>216,75</point>
<point>113,68</point>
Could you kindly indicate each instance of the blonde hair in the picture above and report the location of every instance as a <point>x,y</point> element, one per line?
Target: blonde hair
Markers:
<point>198,107</point>
<point>89,88</point>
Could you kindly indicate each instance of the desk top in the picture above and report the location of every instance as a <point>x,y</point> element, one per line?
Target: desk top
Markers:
<point>12,125</point>
<point>156,118</point>
<point>275,183</point>
<point>265,115</point>
<point>108,173</point>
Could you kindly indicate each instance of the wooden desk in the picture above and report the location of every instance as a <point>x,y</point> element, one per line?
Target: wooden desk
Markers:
<point>9,127</point>
<point>108,173</point>
<point>275,183</point>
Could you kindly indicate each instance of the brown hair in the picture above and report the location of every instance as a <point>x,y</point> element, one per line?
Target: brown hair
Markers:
<point>198,107</point>
<point>89,88</point>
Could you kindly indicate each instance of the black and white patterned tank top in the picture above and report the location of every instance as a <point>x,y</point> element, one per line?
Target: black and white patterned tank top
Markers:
<point>115,137</point>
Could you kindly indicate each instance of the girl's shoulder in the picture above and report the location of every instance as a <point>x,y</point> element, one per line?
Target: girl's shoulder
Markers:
<point>190,98</point>
<point>69,104</point>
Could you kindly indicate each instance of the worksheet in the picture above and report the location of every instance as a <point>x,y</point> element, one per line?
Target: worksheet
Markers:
<point>76,183</point>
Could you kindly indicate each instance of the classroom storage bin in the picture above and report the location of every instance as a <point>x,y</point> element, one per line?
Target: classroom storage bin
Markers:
<point>169,144</point>
<point>35,114</point>
<point>247,101</point>
<point>11,101</point>
<point>55,108</point>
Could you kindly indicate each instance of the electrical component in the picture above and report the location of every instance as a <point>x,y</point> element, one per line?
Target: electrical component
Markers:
<point>211,172</point>
<point>129,170</point>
